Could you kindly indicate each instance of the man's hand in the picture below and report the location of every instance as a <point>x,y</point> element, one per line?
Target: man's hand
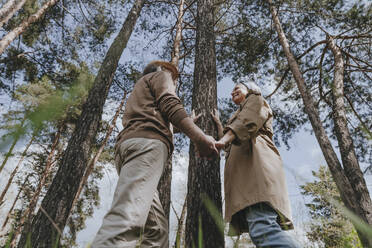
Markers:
<point>206,146</point>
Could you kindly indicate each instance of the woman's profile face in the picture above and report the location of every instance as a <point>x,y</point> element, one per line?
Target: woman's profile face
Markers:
<point>238,94</point>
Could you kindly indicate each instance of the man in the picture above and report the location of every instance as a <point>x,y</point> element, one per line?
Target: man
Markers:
<point>142,149</point>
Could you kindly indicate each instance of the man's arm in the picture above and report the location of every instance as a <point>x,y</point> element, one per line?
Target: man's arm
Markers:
<point>163,89</point>
<point>194,119</point>
<point>205,144</point>
<point>169,104</point>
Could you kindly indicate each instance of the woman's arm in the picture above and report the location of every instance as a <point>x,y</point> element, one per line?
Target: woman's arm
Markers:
<point>225,140</point>
<point>249,120</point>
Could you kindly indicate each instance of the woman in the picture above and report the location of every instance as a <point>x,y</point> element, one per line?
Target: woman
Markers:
<point>255,189</point>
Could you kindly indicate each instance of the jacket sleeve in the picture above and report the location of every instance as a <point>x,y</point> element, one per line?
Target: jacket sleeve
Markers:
<point>164,90</point>
<point>251,118</point>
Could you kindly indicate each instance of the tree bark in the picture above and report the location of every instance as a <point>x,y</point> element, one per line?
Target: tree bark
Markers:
<point>9,9</point>
<point>58,200</point>
<point>349,160</point>
<point>165,182</point>
<point>164,187</point>
<point>11,177</point>
<point>204,175</point>
<point>8,38</point>
<point>348,195</point>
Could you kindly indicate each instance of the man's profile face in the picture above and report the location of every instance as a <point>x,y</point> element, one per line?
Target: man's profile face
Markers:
<point>239,93</point>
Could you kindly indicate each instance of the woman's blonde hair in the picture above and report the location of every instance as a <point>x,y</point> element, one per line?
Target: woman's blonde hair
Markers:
<point>252,87</point>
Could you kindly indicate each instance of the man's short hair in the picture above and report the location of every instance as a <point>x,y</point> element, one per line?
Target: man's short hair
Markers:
<point>158,65</point>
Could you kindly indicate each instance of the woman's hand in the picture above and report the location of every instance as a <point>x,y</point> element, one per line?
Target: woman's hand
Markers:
<point>216,116</point>
<point>225,140</point>
<point>220,144</point>
<point>193,117</point>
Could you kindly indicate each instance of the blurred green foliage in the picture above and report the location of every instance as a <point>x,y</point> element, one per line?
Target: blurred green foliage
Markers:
<point>330,226</point>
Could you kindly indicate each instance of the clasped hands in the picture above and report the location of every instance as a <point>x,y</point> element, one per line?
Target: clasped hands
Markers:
<point>206,145</point>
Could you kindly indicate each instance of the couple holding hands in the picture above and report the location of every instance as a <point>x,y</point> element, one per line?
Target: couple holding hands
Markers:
<point>256,194</point>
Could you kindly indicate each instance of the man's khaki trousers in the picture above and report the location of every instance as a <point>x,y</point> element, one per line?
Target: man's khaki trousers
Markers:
<point>136,217</point>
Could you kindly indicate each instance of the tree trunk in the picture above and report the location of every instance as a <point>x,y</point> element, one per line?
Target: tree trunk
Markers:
<point>8,38</point>
<point>27,216</point>
<point>345,142</point>
<point>99,152</point>
<point>204,175</point>
<point>180,227</point>
<point>14,202</point>
<point>9,9</point>
<point>165,182</point>
<point>58,201</point>
<point>164,187</point>
<point>11,177</point>
<point>178,37</point>
<point>344,186</point>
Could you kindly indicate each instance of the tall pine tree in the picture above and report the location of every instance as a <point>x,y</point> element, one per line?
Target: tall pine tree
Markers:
<point>204,175</point>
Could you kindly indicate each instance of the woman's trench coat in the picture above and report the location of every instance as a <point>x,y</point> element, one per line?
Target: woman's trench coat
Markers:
<point>254,170</point>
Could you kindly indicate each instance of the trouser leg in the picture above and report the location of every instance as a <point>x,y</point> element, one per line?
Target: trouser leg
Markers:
<point>264,228</point>
<point>142,162</point>
<point>156,228</point>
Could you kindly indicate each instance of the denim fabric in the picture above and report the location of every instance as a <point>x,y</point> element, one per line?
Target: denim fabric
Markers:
<point>264,228</point>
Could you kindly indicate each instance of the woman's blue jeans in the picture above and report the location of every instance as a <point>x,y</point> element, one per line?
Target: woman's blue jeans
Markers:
<point>264,228</point>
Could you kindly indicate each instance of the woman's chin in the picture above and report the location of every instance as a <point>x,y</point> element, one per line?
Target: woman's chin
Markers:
<point>237,102</point>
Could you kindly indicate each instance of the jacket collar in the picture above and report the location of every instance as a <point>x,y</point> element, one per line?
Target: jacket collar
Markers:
<point>246,100</point>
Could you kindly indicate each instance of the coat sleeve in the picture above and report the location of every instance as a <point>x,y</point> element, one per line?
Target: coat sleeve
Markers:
<point>164,92</point>
<point>249,120</point>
